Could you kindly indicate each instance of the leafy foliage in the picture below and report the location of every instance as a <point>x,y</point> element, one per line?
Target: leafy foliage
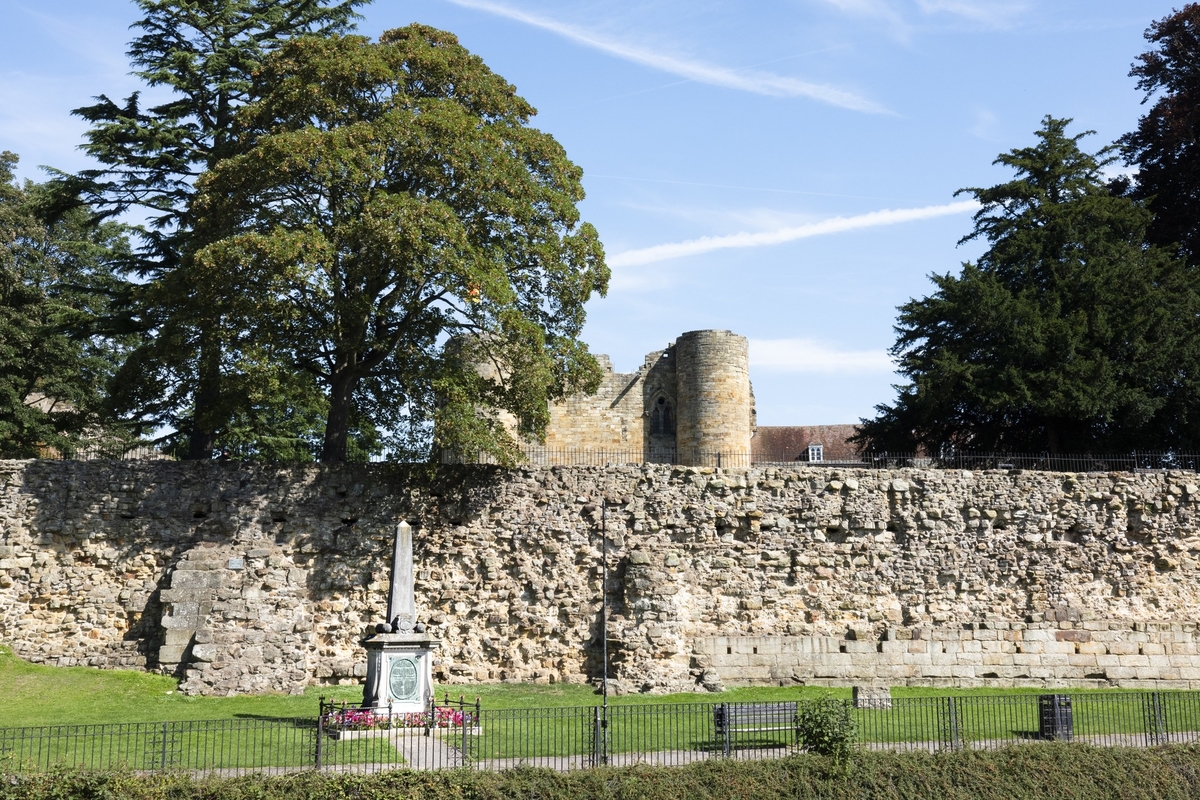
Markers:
<point>1165,148</point>
<point>54,280</point>
<point>1070,334</point>
<point>827,727</point>
<point>191,371</point>
<point>387,197</point>
<point>1024,772</point>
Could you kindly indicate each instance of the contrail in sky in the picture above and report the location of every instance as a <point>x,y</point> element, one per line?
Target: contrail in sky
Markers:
<point>705,244</point>
<point>766,83</point>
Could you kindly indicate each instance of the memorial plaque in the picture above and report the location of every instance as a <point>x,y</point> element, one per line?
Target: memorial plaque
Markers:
<point>403,679</point>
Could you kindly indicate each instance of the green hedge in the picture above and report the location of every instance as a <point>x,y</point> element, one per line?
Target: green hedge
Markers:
<point>1017,773</point>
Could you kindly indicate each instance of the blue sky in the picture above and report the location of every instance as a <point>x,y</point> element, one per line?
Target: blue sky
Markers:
<point>782,169</point>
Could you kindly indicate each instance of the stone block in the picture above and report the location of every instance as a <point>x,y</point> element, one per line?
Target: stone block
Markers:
<point>186,622</point>
<point>178,636</point>
<point>205,652</point>
<point>769,645</point>
<point>1133,661</point>
<point>938,671</point>
<point>878,697</point>
<point>196,580</point>
<point>171,654</point>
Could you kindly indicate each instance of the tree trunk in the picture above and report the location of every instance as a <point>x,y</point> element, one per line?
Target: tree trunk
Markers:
<point>203,437</point>
<point>1052,440</point>
<point>337,424</point>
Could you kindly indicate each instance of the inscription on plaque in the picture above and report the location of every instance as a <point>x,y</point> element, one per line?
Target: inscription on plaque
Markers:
<point>402,679</point>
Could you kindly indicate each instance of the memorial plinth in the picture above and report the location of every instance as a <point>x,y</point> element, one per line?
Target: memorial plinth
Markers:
<point>399,672</point>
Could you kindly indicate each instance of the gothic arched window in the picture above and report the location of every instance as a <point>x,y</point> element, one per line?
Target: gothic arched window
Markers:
<point>662,418</point>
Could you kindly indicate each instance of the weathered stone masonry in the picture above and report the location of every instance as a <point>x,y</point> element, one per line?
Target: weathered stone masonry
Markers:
<point>252,577</point>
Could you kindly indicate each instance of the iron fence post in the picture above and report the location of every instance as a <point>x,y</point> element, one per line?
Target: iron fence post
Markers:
<point>320,739</point>
<point>596,757</point>
<point>952,723</point>
<point>725,725</point>
<point>1156,729</point>
<point>163,760</point>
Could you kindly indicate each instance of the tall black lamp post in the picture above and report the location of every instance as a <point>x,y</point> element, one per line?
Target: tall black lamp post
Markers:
<point>604,602</point>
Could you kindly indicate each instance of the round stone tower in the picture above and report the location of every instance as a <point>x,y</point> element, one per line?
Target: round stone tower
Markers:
<point>715,404</point>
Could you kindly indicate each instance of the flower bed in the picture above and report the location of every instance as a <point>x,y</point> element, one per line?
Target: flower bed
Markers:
<point>357,723</point>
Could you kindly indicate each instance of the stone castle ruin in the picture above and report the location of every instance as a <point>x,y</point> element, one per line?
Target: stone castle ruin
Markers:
<point>691,403</point>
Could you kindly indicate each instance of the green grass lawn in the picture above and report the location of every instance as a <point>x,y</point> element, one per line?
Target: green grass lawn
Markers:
<point>36,695</point>
<point>520,720</point>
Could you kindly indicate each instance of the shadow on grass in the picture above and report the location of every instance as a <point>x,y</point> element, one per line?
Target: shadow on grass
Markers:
<point>297,722</point>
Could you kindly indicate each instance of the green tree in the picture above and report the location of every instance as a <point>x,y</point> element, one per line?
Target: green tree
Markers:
<point>55,280</point>
<point>1165,148</point>
<point>390,198</point>
<point>188,373</point>
<point>1070,334</point>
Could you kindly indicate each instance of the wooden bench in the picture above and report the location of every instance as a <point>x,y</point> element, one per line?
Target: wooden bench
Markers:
<point>736,718</point>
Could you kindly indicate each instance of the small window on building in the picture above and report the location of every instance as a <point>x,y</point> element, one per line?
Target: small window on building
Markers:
<point>816,452</point>
<point>662,418</point>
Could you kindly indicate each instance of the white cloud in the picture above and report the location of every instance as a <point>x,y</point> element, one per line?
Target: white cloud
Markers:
<point>882,10</point>
<point>747,80</point>
<point>985,126</point>
<point>705,244</point>
<point>992,13</point>
<point>897,13</point>
<point>811,355</point>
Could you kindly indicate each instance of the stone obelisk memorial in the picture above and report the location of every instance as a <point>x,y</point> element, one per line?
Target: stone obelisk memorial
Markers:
<point>400,653</point>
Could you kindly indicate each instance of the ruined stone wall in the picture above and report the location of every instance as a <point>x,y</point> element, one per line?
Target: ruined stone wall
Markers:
<point>1093,653</point>
<point>611,420</point>
<point>243,578</point>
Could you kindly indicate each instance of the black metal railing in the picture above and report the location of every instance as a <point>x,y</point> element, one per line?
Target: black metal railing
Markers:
<point>456,734</point>
<point>1077,462</point>
<point>1125,719</point>
<point>105,452</point>
<point>228,746</point>
<point>356,739</point>
<point>1133,461</point>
